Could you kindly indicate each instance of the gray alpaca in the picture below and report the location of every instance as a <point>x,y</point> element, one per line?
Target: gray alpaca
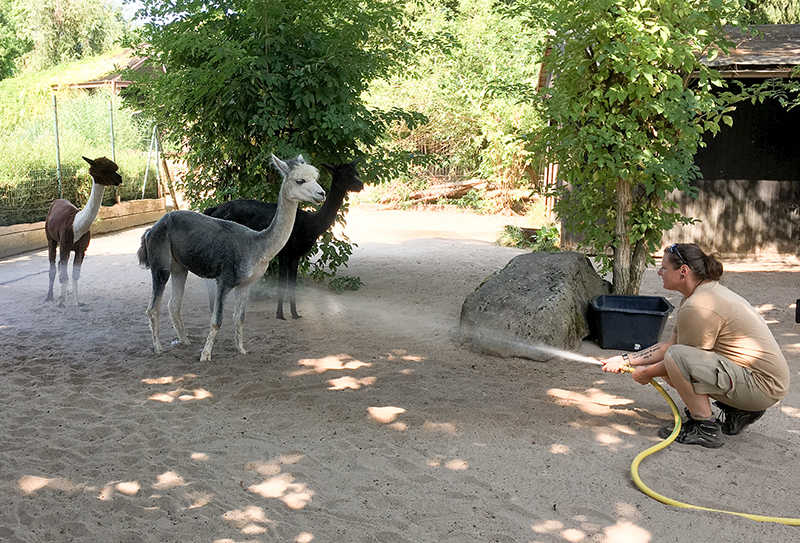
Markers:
<point>232,254</point>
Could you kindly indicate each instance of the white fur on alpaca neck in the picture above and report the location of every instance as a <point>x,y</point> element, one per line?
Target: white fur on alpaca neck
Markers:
<point>85,217</point>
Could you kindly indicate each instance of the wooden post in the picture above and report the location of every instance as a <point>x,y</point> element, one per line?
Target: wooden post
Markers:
<point>167,175</point>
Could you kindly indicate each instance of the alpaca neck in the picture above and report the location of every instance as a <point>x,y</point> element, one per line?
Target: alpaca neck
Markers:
<point>275,236</point>
<point>85,217</point>
<point>326,215</point>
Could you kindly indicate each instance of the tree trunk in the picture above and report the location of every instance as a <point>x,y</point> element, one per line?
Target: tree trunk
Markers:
<point>621,278</point>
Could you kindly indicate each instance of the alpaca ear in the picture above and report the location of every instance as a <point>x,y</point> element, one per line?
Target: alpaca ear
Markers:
<point>357,161</point>
<point>300,159</point>
<point>329,167</point>
<point>280,165</point>
<point>90,161</point>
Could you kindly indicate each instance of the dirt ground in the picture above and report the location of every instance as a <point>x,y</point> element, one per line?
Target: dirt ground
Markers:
<point>364,421</point>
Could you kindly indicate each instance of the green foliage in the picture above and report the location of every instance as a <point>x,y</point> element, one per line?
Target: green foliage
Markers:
<point>27,95</point>
<point>629,105</point>
<point>248,78</point>
<point>545,238</point>
<point>772,11</point>
<point>61,30</point>
<point>345,282</point>
<point>326,257</point>
<point>473,199</point>
<point>473,128</point>
<point>28,172</point>
<point>12,44</point>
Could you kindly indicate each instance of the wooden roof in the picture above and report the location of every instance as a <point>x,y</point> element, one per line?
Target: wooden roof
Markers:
<point>773,51</point>
<point>113,81</point>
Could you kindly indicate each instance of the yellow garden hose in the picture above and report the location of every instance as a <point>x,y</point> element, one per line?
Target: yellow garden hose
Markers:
<point>665,443</point>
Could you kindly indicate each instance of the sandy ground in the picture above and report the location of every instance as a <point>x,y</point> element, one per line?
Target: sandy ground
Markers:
<point>364,421</point>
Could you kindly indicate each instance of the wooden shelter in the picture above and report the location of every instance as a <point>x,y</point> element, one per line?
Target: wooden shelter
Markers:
<point>749,192</point>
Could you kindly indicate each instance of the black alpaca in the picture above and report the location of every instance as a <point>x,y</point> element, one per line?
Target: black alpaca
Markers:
<point>308,226</point>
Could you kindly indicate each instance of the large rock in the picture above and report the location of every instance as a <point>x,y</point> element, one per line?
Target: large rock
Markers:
<point>538,300</point>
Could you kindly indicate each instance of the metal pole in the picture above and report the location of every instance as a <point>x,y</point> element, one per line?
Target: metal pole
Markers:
<point>111,117</point>
<point>117,195</point>
<point>58,149</point>
<point>149,154</point>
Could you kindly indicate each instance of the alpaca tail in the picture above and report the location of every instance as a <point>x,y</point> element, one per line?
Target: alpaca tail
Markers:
<point>144,258</point>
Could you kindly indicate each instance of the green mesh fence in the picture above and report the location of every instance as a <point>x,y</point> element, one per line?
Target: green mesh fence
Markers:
<point>28,156</point>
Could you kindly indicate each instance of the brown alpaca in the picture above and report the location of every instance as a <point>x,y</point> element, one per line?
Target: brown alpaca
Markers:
<point>68,228</point>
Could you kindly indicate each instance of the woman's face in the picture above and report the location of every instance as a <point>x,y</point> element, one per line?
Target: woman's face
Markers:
<point>670,274</point>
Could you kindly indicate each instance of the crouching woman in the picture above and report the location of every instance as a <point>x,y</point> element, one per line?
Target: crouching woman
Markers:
<point>721,349</point>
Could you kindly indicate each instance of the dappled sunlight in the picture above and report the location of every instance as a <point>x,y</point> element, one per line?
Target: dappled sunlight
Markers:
<point>29,484</point>
<point>251,520</point>
<point>273,467</point>
<point>304,537</point>
<point>627,532</point>
<point>169,379</point>
<point>167,480</point>
<point>454,464</point>
<point>199,457</point>
<point>790,411</point>
<point>621,532</point>
<point>442,427</point>
<point>547,527</point>
<point>402,355</point>
<point>351,383</point>
<point>558,448</point>
<point>336,362</point>
<point>385,415</point>
<point>283,487</point>
<point>181,394</point>
<point>593,401</point>
<point>199,499</point>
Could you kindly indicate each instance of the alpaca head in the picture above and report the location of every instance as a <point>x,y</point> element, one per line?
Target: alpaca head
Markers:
<point>104,171</point>
<point>346,176</point>
<point>300,180</point>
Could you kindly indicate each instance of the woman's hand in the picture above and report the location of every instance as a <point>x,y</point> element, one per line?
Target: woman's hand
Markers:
<point>641,375</point>
<point>614,364</point>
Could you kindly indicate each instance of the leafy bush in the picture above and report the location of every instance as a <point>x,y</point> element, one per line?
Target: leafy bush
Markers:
<point>545,238</point>
<point>345,282</point>
<point>474,128</point>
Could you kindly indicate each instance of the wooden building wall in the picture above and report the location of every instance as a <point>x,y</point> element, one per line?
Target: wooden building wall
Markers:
<point>749,194</point>
<point>748,200</point>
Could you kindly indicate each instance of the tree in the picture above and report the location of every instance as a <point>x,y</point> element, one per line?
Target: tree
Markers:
<point>773,11</point>
<point>61,30</point>
<point>246,78</point>
<point>630,102</point>
<point>12,44</point>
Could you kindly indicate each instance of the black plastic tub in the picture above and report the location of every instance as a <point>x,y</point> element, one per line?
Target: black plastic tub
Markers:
<point>629,323</point>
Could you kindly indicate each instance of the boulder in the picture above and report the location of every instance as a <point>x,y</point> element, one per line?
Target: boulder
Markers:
<point>538,300</point>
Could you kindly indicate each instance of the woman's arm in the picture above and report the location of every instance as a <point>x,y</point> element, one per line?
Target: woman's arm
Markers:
<point>646,357</point>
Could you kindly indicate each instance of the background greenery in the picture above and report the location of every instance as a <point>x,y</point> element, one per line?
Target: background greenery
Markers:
<point>428,91</point>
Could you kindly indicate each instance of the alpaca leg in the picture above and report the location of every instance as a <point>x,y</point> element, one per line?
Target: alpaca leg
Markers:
<point>283,277</point>
<point>216,321</point>
<point>293,286</point>
<point>160,278</point>
<point>178,274</point>
<point>76,274</point>
<point>211,287</point>
<point>63,276</point>
<point>51,255</point>
<point>242,296</point>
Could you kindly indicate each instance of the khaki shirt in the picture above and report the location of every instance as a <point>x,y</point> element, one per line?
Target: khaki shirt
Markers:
<point>714,318</point>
